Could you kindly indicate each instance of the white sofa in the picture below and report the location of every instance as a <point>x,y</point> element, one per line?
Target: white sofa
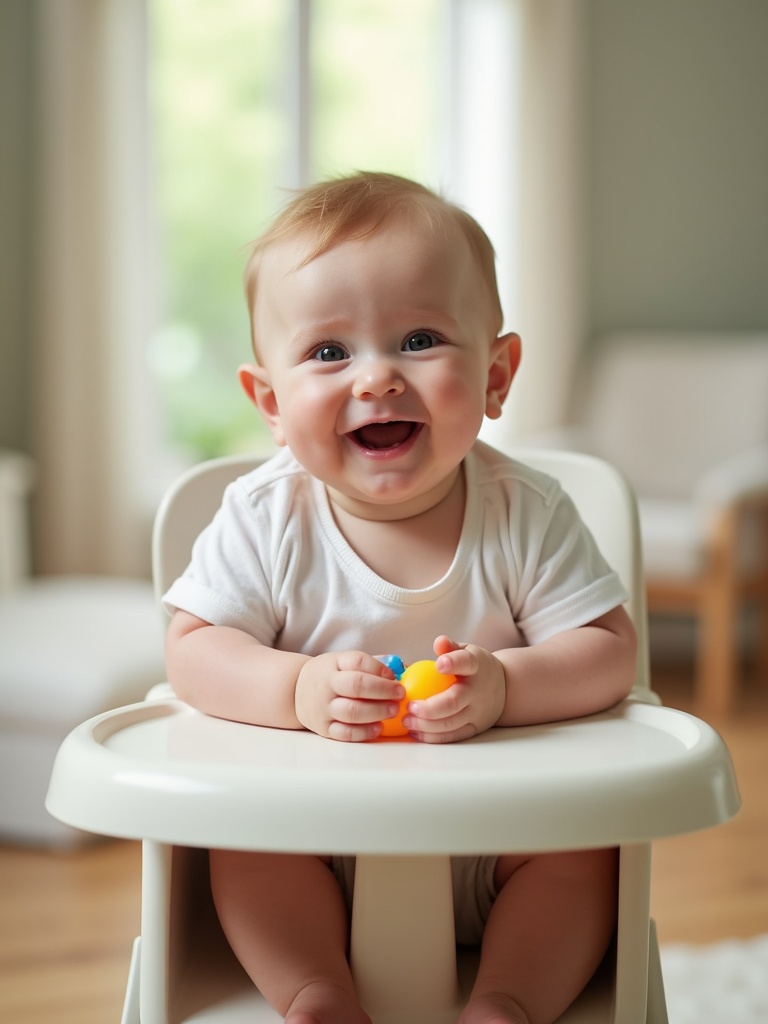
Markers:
<point>70,647</point>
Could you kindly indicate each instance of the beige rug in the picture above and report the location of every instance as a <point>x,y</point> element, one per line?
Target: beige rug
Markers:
<point>726,983</point>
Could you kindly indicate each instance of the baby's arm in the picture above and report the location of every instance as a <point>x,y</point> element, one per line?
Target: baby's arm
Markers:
<point>227,673</point>
<point>575,673</point>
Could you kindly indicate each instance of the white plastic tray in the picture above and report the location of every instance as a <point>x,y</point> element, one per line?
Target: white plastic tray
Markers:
<point>164,772</point>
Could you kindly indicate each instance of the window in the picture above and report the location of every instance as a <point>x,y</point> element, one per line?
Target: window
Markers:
<point>378,92</point>
<point>251,96</point>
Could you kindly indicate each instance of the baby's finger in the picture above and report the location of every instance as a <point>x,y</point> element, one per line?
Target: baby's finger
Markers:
<point>347,733</point>
<point>367,687</point>
<point>442,708</point>
<point>466,732</point>
<point>348,711</point>
<point>450,729</point>
<point>444,645</point>
<point>462,661</point>
<point>360,661</point>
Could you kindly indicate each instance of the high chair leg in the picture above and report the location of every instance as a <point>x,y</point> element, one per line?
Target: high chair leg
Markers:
<point>633,935</point>
<point>131,1013</point>
<point>403,950</point>
<point>157,861</point>
<point>657,1004</point>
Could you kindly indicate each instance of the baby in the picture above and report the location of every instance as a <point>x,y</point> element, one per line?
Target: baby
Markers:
<point>382,524</point>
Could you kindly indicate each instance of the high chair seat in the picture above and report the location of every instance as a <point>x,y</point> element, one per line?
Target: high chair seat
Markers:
<point>184,782</point>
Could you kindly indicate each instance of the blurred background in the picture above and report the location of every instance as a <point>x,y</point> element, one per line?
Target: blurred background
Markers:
<point>615,152</point>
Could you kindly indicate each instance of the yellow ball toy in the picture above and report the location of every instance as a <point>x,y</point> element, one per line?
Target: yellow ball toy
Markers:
<point>421,680</point>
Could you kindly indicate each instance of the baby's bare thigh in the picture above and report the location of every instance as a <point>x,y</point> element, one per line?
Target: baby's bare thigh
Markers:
<point>578,866</point>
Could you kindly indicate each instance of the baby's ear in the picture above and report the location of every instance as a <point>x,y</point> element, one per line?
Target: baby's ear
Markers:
<point>255,382</point>
<point>505,360</point>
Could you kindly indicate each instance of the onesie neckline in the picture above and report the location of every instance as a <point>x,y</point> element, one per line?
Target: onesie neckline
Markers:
<point>352,563</point>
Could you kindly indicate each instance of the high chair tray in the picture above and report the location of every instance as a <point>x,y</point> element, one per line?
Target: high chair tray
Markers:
<point>162,771</point>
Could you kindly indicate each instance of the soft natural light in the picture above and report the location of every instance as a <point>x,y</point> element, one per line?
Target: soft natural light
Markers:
<point>226,130</point>
<point>378,98</point>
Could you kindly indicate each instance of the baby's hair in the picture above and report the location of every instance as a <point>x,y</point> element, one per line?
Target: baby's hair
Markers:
<point>355,207</point>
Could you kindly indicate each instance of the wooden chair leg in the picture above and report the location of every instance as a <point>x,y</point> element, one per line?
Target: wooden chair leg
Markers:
<point>717,667</point>
<point>761,655</point>
<point>716,661</point>
<point>761,598</point>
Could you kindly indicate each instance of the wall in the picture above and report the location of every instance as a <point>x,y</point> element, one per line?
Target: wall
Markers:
<point>15,232</point>
<point>678,164</point>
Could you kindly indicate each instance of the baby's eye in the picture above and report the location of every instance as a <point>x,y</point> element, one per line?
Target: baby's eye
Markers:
<point>420,341</point>
<point>330,354</point>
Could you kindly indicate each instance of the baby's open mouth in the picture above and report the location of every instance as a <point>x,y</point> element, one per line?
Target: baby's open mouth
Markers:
<point>383,436</point>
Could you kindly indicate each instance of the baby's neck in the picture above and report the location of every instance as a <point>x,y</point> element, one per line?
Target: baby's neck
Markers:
<point>381,512</point>
<point>412,551</point>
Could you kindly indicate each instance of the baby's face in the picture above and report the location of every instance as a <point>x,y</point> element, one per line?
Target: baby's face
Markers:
<point>378,362</point>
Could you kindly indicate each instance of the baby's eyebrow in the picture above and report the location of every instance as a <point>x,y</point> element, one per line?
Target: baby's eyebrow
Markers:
<point>425,317</point>
<point>307,337</point>
<point>322,329</point>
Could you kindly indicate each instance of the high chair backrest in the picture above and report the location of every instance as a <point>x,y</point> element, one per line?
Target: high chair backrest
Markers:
<point>186,509</point>
<point>607,504</point>
<point>601,494</point>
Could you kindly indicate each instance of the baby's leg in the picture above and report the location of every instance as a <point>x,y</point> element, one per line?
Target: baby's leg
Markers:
<point>546,935</point>
<point>285,919</point>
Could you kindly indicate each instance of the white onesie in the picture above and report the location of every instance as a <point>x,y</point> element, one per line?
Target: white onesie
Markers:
<point>274,564</point>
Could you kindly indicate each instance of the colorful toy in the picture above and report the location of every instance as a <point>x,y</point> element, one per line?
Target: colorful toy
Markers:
<point>421,680</point>
<point>394,662</point>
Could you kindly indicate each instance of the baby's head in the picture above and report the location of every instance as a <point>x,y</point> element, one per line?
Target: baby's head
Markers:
<point>330,212</point>
<point>376,327</point>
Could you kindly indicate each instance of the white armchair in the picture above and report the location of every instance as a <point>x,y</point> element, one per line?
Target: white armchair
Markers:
<point>685,415</point>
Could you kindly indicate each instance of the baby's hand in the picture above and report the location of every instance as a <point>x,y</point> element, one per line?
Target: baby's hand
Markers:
<point>472,705</point>
<point>345,695</point>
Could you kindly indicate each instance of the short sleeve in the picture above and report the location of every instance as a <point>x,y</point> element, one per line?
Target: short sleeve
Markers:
<point>227,582</point>
<point>567,581</point>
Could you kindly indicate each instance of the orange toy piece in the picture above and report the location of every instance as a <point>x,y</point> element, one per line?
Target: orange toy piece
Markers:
<point>421,680</point>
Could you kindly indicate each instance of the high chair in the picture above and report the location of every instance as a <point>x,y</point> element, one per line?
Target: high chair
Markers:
<point>184,782</point>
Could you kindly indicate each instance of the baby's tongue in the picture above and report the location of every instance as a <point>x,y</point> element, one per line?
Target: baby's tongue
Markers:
<point>384,435</point>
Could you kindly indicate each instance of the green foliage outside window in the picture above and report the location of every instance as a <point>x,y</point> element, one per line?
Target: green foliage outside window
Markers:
<point>222,141</point>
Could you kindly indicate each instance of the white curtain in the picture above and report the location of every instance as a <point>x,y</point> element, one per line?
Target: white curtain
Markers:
<point>548,299</point>
<point>90,284</point>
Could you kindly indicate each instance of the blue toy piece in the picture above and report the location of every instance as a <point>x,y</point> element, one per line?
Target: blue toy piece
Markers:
<point>394,662</point>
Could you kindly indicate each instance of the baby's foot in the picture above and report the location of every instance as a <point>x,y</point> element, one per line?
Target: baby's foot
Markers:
<point>323,1002</point>
<point>493,1008</point>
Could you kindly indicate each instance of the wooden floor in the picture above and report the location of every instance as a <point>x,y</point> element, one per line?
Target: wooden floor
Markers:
<point>713,885</point>
<point>67,921</point>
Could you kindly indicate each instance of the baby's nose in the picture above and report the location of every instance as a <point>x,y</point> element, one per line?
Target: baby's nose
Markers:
<point>376,378</point>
